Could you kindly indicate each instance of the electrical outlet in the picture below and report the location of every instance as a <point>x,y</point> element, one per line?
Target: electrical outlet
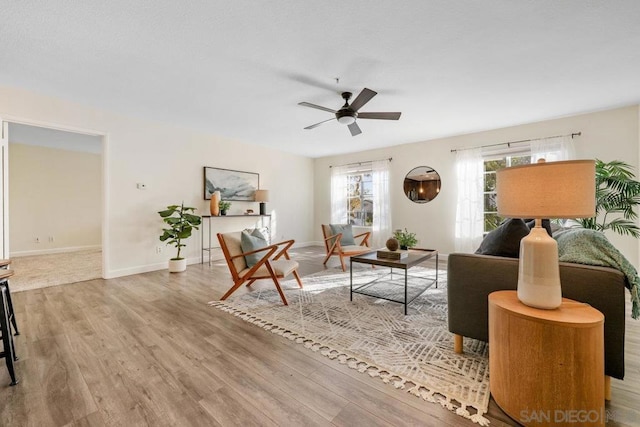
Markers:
<point>158,249</point>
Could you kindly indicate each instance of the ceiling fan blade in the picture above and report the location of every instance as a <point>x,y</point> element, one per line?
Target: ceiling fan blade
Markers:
<point>379,116</point>
<point>319,123</point>
<point>355,129</point>
<point>317,107</point>
<point>362,98</point>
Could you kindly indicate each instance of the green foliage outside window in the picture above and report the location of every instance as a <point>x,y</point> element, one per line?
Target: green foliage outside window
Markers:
<point>360,199</point>
<point>491,218</point>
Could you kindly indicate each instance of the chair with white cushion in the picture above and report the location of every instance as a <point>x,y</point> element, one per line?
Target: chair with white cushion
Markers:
<point>250,258</point>
<point>340,241</point>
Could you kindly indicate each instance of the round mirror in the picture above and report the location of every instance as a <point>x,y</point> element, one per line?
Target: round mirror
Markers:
<point>422,184</point>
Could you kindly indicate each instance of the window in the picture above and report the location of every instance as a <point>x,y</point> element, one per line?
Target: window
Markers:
<point>360,198</point>
<point>491,165</point>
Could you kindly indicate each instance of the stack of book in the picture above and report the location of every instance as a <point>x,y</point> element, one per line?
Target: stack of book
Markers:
<point>393,255</point>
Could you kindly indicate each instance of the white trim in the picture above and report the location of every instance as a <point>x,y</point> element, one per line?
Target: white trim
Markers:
<point>306,244</point>
<point>138,270</point>
<point>106,260</point>
<point>164,265</point>
<point>4,138</point>
<point>311,243</point>
<point>105,175</point>
<point>55,250</point>
<point>49,125</point>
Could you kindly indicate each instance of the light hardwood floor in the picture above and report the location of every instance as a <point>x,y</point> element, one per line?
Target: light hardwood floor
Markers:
<point>147,350</point>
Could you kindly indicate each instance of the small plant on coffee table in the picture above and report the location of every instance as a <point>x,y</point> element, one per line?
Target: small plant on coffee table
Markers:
<point>405,238</point>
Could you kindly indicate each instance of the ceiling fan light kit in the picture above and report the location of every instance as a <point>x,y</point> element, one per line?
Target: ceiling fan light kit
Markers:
<point>345,119</point>
<point>348,114</point>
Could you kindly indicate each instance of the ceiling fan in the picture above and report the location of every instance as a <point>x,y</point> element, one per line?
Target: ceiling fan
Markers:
<point>348,114</point>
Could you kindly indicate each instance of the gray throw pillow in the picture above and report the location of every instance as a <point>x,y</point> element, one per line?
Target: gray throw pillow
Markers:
<point>347,234</point>
<point>504,240</point>
<point>250,242</point>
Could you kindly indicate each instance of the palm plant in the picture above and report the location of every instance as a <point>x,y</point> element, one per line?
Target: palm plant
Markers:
<point>617,193</point>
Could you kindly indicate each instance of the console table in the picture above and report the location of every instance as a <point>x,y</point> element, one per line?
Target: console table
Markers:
<point>209,248</point>
<point>547,366</point>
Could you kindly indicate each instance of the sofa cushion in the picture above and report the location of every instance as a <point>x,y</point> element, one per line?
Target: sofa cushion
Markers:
<point>504,240</point>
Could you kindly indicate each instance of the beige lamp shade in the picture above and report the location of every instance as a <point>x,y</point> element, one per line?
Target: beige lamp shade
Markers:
<point>564,189</point>
<point>262,196</point>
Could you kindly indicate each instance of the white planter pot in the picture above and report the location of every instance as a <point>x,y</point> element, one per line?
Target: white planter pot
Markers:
<point>177,265</point>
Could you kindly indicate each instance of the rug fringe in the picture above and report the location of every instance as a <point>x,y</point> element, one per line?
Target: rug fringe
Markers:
<point>399,382</point>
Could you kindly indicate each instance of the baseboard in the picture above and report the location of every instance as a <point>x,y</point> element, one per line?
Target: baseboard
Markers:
<point>54,250</point>
<point>306,244</point>
<point>146,268</point>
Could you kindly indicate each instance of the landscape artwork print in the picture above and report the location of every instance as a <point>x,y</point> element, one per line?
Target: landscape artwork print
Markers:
<point>233,185</point>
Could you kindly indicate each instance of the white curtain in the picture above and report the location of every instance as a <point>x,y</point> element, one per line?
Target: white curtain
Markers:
<point>470,205</point>
<point>381,203</point>
<point>553,149</point>
<point>339,194</point>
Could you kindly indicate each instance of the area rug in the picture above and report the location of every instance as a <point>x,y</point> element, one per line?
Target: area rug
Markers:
<point>41,271</point>
<point>372,335</point>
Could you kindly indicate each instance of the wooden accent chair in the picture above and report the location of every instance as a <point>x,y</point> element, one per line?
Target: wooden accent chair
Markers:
<point>275,264</point>
<point>333,245</point>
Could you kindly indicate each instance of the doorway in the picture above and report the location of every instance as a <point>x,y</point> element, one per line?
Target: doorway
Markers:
<point>54,206</point>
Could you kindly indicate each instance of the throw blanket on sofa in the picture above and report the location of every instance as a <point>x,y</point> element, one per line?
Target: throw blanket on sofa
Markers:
<point>584,246</point>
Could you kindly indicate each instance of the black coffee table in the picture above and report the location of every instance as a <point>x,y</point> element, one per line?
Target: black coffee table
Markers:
<point>415,257</point>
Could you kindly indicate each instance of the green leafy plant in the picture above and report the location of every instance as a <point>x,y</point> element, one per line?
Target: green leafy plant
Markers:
<point>405,238</point>
<point>617,194</point>
<point>181,223</point>
<point>224,206</point>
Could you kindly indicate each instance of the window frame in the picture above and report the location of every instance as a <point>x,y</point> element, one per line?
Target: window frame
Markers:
<point>508,156</point>
<point>360,213</point>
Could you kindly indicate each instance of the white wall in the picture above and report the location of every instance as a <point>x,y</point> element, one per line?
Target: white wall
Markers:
<point>606,135</point>
<point>169,160</point>
<point>53,194</point>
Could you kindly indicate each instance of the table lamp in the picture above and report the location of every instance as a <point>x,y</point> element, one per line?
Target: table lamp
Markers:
<point>563,189</point>
<point>262,196</point>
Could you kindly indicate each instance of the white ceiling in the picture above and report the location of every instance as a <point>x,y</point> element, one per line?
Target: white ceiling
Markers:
<point>238,68</point>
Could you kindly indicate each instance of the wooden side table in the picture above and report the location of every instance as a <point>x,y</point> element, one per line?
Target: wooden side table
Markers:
<point>546,367</point>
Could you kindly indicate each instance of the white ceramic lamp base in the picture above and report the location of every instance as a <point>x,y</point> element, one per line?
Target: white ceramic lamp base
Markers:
<point>539,271</point>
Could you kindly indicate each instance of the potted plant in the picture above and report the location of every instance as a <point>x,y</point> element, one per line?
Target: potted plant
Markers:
<point>181,223</point>
<point>224,207</point>
<point>616,193</point>
<point>405,238</point>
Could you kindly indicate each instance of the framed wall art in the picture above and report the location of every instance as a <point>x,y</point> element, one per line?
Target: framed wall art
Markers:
<point>233,185</point>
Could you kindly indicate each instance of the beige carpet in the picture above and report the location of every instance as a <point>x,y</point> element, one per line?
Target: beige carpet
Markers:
<point>41,271</point>
<point>413,352</point>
